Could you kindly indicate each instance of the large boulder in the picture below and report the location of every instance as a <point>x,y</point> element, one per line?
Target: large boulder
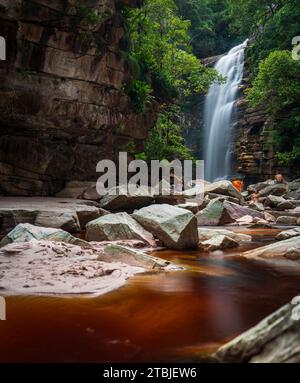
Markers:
<point>235,211</point>
<point>294,186</point>
<point>225,188</point>
<point>176,228</point>
<point>260,186</point>
<point>219,242</point>
<point>287,220</point>
<point>115,227</point>
<point>279,203</point>
<point>275,189</point>
<point>214,214</point>
<point>287,234</point>
<point>118,199</point>
<point>276,339</point>
<point>25,232</point>
<point>207,234</point>
<point>65,220</point>
<point>280,250</point>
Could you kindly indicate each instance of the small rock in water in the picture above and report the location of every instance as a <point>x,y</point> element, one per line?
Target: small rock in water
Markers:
<point>220,242</point>
<point>261,224</point>
<point>206,234</point>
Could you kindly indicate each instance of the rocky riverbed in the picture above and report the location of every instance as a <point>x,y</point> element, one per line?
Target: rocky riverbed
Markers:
<point>41,252</point>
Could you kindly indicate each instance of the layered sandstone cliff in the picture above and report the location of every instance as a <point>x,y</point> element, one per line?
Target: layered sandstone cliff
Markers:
<point>62,101</point>
<point>255,157</point>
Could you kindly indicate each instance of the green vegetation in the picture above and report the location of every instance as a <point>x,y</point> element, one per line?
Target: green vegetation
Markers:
<point>278,86</point>
<point>274,74</point>
<point>164,68</point>
<point>165,140</point>
<point>139,93</point>
<point>165,40</point>
<point>210,32</point>
<point>271,25</point>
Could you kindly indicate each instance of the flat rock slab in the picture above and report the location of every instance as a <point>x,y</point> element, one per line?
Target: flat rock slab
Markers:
<point>118,199</point>
<point>236,211</point>
<point>133,257</point>
<point>67,214</point>
<point>43,267</point>
<point>287,249</point>
<point>207,234</point>
<point>287,234</point>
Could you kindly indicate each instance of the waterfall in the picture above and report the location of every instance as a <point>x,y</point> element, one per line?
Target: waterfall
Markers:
<point>219,111</point>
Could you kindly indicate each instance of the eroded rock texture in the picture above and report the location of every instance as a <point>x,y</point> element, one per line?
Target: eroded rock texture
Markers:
<point>254,155</point>
<point>62,101</point>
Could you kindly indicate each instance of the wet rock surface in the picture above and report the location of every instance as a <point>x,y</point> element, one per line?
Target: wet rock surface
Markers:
<point>274,340</point>
<point>277,251</point>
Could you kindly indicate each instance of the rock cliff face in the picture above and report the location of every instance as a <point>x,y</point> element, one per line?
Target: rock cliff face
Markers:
<point>255,156</point>
<point>62,101</point>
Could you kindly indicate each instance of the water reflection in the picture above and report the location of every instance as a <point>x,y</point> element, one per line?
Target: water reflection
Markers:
<point>155,317</point>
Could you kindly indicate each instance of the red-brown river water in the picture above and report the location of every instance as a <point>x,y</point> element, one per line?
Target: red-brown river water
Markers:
<point>155,317</point>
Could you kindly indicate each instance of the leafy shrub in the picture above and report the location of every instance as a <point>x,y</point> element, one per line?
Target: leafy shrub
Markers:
<point>165,140</point>
<point>140,94</point>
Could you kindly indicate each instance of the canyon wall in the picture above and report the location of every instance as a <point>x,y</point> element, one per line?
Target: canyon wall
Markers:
<point>254,154</point>
<point>62,101</point>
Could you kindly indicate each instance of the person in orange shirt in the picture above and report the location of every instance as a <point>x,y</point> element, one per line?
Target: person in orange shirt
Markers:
<point>239,185</point>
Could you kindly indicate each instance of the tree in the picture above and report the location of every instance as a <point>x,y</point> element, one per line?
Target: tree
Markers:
<point>210,26</point>
<point>164,67</point>
<point>160,44</point>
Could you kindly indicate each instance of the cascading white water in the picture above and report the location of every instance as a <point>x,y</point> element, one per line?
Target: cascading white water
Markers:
<point>219,111</point>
